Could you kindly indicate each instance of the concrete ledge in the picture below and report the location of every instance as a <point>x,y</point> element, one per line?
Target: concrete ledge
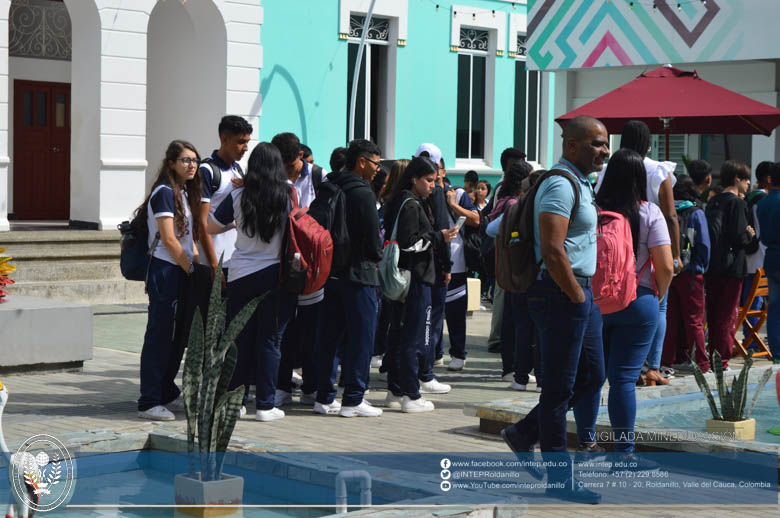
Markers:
<point>37,331</point>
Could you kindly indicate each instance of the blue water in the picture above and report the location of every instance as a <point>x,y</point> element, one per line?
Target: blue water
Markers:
<point>690,411</point>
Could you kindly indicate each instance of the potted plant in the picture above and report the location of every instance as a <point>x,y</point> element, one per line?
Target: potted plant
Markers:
<point>211,409</point>
<point>5,269</point>
<point>732,419</point>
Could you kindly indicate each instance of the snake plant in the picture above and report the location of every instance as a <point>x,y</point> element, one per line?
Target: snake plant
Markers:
<point>732,400</point>
<point>211,409</point>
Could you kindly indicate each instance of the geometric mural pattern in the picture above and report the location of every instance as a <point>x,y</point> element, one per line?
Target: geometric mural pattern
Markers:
<point>598,33</point>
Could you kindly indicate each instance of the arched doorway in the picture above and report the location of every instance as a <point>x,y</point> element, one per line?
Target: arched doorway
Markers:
<point>186,77</point>
<point>39,77</point>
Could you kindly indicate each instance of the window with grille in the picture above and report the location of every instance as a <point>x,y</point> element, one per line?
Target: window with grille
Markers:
<point>527,100</point>
<point>472,72</point>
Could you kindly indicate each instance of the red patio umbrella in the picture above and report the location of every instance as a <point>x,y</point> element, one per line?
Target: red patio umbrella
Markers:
<point>670,100</point>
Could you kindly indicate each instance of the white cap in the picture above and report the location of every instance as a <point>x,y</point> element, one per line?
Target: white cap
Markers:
<point>433,152</point>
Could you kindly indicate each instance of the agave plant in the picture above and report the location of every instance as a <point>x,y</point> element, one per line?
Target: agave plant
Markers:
<point>5,269</point>
<point>211,409</point>
<point>733,400</point>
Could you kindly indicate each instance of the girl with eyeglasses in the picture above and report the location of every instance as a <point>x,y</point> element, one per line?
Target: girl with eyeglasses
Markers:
<point>171,207</point>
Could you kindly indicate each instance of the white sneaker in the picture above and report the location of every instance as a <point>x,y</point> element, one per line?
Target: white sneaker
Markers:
<point>412,406</point>
<point>333,408</point>
<point>157,413</point>
<point>438,362</point>
<point>242,413</point>
<point>309,399</point>
<point>531,378</point>
<point>269,415</point>
<point>434,387</point>
<point>538,388</point>
<point>509,376</point>
<point>393,401</point>
<point>667,372</point>
<point>364,409</point>
<point>517,386</point>
<point>296,379</point>
<point>376,362</point>
<point>456,364</point>
<point>282,397</point>
<point>177,405</point>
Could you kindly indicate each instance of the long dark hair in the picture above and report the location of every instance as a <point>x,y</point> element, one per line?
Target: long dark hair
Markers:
<point>624,188</point>
<point>266,195</point>
<point>167,176</point>
<point>513,179</point>
<point>417,168</point>
<point>636,136</point>
<point>685,189</point>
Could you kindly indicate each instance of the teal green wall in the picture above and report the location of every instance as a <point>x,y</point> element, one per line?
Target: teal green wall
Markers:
<point>304,78</point>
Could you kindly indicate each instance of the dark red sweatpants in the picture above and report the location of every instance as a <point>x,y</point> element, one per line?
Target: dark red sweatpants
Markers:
<point>685,321</point>
<point>722,302</point>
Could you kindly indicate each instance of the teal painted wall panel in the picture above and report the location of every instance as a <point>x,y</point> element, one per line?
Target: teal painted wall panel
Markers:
<point>304,78</point>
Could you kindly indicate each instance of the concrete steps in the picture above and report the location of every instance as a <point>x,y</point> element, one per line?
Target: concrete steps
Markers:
<point>70,265</point>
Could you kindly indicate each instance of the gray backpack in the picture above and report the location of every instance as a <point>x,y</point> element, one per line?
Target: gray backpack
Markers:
<point>394,281</point>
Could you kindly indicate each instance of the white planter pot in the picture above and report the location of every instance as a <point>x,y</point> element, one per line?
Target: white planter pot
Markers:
<point>225,495</point>
<point>742,430</point>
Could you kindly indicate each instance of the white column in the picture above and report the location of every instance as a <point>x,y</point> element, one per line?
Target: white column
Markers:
<point>5,6</point>
<point>243,19</point>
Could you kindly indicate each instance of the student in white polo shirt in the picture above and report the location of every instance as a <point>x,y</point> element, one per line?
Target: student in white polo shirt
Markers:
<point>170,208</point>
<point>301,339</point>
<point>217,171</point>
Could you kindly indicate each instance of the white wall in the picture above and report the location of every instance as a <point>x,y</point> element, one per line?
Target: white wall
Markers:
<point>29,69</point>
<point>186,82</point>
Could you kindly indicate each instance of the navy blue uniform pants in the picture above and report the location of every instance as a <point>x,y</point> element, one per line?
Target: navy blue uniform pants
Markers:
<point>455,313</point>
<point>161,356</point>
<point>259,342</point>
<point>405,354</point>
<point>301,343</point>
<point>350,324</point>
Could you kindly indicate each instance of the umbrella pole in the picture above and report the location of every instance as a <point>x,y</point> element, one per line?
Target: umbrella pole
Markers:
<point>666,145</point>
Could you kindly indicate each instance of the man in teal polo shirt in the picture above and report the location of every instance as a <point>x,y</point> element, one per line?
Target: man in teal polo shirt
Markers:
<point>560,302</point>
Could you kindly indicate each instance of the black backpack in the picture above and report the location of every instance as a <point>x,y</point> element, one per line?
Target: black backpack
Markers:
<point>687,235</point>
<point>136,255</point>
<point>216,172</point>
<point>721,252</point>
<point>329,209</point>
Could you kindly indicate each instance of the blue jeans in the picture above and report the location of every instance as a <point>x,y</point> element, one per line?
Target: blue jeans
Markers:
<point>572,363</point>
<point>773,318</point>
<point>160,356</point>
<point>627,338</point>
<point>657,344</point>
<point>350,324</point>
<point>455,313</point>
<point>260,341</point>
<point>405,355</point>
<point>518,345</point>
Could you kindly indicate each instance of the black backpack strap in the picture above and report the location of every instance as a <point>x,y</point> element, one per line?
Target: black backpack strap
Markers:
<point>574,185</point>
<point>239,169</point>
<point>316,176</point>
<point>216,172</point>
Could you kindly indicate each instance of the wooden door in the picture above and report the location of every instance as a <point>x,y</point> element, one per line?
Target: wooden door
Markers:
<point>41,159</point>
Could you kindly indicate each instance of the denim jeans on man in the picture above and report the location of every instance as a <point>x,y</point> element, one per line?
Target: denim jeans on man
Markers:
<point>572,363</point>
<point>406,353</point>
<point>773,318</point>
<point>161,356</point>
<point>628,335</point>
<point>350,322</point>
<point>657,343</point>
<point>259,343</point>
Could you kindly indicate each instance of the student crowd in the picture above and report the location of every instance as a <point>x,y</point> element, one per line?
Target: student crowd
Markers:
<point>693,264</point>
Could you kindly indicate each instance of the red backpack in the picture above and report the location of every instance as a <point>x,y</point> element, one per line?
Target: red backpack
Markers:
<point>307,250</point>
<point>615,280</point>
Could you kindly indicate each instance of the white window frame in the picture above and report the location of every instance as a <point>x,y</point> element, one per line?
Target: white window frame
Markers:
<point>538,101</point>
<point>368,60</point>
<point>495,23</point>
<point>397,11</point>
